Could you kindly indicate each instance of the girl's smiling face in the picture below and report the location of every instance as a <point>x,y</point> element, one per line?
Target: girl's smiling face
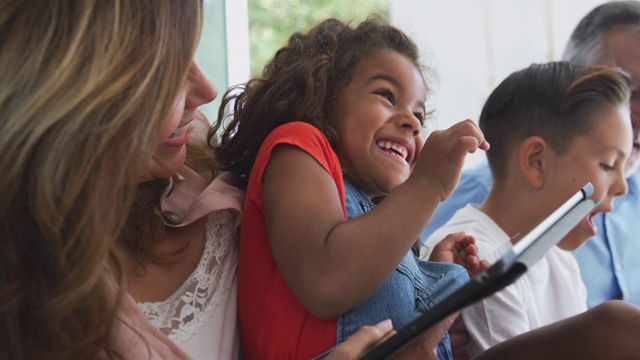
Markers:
<point>379,118</point>
<point>598,157</point>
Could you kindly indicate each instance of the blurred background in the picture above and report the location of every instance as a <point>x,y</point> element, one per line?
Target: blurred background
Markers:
<point>471,45</point>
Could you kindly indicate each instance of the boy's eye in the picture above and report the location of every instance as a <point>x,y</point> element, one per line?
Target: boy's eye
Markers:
<point>606,167</point>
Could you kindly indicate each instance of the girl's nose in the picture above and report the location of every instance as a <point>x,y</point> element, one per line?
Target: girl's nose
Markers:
<point>410,122</point>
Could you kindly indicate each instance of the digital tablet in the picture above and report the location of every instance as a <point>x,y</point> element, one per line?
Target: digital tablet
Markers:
<point>503,272</point>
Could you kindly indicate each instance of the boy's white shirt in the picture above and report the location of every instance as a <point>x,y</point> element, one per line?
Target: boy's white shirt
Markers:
<point>549,291</point>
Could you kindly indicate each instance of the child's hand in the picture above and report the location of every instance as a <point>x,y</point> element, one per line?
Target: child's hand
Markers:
<point>442,157</point>
<point>460,249</point>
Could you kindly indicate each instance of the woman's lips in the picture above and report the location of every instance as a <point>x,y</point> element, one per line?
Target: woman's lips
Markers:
<point>177,139</point>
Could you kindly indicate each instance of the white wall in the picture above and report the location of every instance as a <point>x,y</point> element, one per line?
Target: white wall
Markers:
<point>238,60</point>
<point>474,44</point>
<point>223,52</point>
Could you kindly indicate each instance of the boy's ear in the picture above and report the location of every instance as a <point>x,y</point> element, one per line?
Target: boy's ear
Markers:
<point>532,160</point>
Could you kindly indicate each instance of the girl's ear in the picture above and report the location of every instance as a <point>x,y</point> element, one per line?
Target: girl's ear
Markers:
<point>532,160</point>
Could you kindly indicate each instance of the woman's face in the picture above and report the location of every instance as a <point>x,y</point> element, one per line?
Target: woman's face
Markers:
<point>171,150</point>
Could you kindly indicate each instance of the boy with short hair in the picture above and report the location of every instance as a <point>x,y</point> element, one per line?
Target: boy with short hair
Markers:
<point>608,35</point>
<point>553,128</point>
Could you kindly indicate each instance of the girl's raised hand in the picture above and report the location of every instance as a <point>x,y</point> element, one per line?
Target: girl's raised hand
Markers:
<point>442,157</point>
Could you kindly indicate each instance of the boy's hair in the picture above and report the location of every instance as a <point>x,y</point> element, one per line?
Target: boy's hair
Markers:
<point>554,101</point>
<point>585,45</point>
<point>300,84</point>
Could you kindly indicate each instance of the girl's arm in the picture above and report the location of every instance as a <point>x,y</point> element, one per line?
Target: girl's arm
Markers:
<point>330,264</point>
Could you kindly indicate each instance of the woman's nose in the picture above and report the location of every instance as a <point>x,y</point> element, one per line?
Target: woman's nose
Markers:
<point>199,88</point>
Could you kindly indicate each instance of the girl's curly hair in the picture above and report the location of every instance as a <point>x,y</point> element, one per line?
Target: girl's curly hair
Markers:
<point>300,84</point>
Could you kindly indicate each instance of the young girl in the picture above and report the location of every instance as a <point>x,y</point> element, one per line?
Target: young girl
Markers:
<point>87,113</point>
<point>339,103</point>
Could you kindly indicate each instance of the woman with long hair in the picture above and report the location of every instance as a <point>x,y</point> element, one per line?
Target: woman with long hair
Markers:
<point>87,87</point>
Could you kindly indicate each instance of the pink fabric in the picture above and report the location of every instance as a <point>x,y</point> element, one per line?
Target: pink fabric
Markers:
<point>193,194</point>
<point>208,296</point>
<point>194,197</point>
<point>134,336</point>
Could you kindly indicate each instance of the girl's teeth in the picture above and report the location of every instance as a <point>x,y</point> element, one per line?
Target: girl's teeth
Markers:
<point>401,150</point>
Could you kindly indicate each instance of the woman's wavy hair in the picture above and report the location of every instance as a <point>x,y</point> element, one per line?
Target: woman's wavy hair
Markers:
<point>300,84</point>
<point>86,88</point>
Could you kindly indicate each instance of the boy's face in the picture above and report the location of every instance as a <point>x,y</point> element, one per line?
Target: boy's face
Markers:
<point>598,157</point>
<point>379,116</point>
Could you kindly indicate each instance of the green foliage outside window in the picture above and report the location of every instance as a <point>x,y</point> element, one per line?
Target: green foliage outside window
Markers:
<point>271,22</point>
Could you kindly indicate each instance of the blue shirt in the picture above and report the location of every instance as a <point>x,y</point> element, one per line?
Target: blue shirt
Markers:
<point>609,262</point>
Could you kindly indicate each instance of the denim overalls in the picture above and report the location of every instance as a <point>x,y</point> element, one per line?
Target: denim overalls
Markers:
<point>414,287</point>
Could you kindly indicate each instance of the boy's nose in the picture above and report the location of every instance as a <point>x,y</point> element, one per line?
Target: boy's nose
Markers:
<point>620,187</point>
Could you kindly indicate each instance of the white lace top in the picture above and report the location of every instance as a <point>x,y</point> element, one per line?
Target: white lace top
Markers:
<point>201,315</point>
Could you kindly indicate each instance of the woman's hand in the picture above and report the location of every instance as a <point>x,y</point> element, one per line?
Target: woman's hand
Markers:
<point>362,341</point>
<point>424,347</point>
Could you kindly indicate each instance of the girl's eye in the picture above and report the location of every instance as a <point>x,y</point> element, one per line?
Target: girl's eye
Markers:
<point>420,117</point>
<point>387,94</point>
